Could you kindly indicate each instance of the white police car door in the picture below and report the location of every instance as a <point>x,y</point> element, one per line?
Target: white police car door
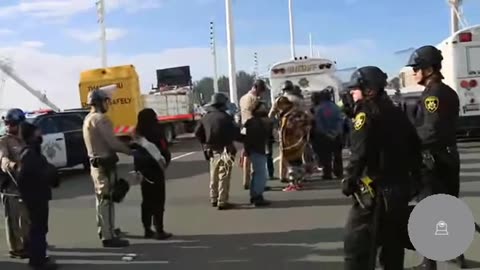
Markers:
<point>53,147</point>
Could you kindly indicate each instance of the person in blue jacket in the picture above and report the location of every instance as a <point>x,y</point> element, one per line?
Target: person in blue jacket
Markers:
<point>328,131</point>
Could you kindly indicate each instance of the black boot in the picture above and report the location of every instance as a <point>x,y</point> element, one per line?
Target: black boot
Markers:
<point>149,233</point>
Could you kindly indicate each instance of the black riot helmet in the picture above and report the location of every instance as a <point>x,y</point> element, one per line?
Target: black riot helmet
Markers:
<point>368,78</point>
<point>14,117</point>
<point>425,57</point>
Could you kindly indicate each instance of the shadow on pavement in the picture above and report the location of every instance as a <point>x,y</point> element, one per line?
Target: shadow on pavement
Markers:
<point>286,250</point>
<point>187,168</point>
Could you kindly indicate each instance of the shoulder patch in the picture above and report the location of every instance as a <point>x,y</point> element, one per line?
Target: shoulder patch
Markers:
<point>359,120</point>
<point>431,104</point>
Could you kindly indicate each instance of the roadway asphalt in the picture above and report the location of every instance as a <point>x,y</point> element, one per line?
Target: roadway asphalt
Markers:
<point>300,230</point>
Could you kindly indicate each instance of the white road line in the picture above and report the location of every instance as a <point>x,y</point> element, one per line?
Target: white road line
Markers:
<point>184,155</point>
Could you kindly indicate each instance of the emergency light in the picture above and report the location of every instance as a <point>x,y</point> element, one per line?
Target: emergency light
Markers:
<point>469,84</point>
<point>465,37</point>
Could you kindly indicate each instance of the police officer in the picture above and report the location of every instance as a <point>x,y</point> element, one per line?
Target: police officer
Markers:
<point>377,173</point>
<point>436,120</point>
<point>247,104</point>
<point>16,220</point>
<point>102,146</point>
<point>216,132</point>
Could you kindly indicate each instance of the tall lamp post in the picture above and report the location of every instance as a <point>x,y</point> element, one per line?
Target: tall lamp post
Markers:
<point>103,31</point>
<point>232,74</point>
<point>213,47</point>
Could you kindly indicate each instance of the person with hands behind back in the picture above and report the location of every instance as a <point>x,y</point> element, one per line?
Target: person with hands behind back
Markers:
<point>258,133</point>
<point>151,158</point>
<point>35,176</point>
<point>385,159</point>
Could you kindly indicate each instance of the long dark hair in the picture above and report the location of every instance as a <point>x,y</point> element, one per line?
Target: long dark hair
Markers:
<point>147,122</point>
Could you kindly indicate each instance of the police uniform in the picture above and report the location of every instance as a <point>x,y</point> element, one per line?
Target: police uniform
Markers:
<point>378,223</point>
<point>436,121</point>
<point>217,131</point>
<point>16,215</point>
<point>102,146</point>
<point>247,104</point>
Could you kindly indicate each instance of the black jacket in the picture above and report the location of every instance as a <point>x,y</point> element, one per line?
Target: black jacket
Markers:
<point>217,129</point>
<point>437,116</point>
<point>35,175</point>
<point>145,164</point>
<point>385,145</point>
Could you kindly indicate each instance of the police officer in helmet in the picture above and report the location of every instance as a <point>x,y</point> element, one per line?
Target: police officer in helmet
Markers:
<point>16,215</point>
<point>436,121</point>
<point>102,147</point>
<point>377,174</point>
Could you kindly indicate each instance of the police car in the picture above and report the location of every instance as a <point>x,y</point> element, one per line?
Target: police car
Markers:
<point>63,143</point>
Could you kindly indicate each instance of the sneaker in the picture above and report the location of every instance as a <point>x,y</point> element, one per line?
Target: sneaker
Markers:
<point>115,243</point>
<point>290,188</point>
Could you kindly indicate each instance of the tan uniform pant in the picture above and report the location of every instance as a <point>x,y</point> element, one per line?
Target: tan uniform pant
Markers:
<point>17,223</point>
<point>103,181</point>
<point>220,174</point>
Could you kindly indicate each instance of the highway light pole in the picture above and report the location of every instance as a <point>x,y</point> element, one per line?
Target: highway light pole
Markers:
<point>232,74</point>
<point>213,46</point>
<point>103,31</point>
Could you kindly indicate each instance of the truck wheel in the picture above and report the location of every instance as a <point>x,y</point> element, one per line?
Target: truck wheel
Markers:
<point>169,133</point>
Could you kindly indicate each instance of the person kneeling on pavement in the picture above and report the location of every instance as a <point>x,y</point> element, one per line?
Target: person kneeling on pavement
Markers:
<point>258,133</point>
<point>35,176</point>
<point>151,158</point>
<point>217,131</point>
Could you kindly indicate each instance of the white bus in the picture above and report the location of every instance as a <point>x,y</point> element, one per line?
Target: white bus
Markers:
<point>461,69</point>
<point>311,74</point>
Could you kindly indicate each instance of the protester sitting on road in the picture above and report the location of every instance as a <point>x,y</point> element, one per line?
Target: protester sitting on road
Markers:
<point>151,159</point>
<point>35,177</point>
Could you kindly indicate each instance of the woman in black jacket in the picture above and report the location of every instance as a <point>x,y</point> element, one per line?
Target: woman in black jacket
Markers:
<point>35,177</point>
<point>149,144</point>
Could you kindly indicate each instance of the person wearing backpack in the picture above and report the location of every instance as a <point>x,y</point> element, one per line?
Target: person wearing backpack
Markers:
<point>328,134</point>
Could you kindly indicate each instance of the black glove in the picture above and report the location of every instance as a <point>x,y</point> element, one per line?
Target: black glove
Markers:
<point>349,186</point>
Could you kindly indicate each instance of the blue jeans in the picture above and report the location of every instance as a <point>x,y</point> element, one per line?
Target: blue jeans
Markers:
<point>259,174</point>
